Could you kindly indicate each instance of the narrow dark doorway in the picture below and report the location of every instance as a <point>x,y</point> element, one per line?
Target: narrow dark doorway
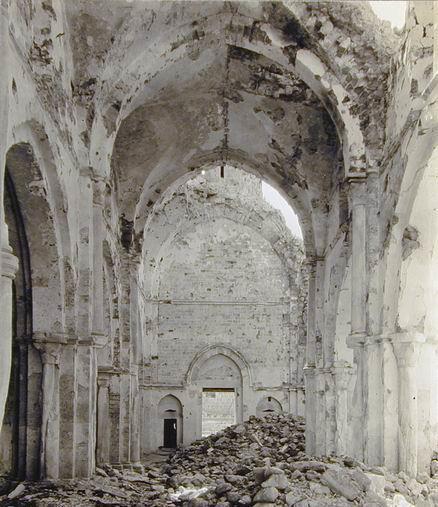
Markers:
<point>170,431</point>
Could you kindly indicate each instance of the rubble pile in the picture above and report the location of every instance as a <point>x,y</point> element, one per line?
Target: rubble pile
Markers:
<point>258,463</point>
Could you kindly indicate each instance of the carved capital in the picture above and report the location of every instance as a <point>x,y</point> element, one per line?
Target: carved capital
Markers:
<point>373,340</point>
<point>407,347</point>
<point>50,351</point>
<point>103,379</point>
<point>309,370</point>
<point>356,341</point>
<point>99,340</point>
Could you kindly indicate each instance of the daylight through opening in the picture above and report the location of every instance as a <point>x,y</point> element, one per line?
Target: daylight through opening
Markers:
<point>218,410</point>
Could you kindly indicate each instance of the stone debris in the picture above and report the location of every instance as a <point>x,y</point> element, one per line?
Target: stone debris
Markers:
<point>258,463</point>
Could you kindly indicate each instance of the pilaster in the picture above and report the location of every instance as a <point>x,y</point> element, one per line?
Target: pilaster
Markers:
<point>342,375</point>
<point>310,378</point>
<point>309,369</point>
<point>373,373</point>
<point>357,411</point>
<point>407,347</point>
<point>103,416</point>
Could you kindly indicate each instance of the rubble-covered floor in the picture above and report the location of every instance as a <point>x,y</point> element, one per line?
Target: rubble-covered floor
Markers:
<point>261,462</point>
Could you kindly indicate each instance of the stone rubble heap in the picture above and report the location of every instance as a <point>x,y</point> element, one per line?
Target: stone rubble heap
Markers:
<point>259,463</point>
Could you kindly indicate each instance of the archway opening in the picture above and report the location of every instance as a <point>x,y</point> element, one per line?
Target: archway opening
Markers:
<point>218,410</point>
<point>13,431</point>
<point>37,314</point>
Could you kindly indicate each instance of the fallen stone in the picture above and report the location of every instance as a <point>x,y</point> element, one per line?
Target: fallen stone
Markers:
<point>278,481</point>
<point>266,495</point>
<point>339,482</point>
<point>17,491</point>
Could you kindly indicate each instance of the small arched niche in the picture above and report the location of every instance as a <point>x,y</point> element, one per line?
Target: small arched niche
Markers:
<point>170,414</point>
<point>268,405</point>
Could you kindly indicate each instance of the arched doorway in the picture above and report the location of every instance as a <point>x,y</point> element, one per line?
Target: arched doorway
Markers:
<point>170,413</point>
<point>219,382</point>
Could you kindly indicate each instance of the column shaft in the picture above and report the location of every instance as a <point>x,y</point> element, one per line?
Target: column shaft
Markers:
<point>358,310</point>
<point>49,450</point>
<point>406,348</point>
<point>309,369</point>
<point>67,390</point>
<point>103,418</point>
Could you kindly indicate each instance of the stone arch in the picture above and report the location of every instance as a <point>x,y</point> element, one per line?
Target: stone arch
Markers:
<point>268,405</point>
<point>312,70</point>
<point>218,350</point>
<point>306,219</point>
<point>32,135</point>
<point>170,409</point>
<point>38,212</point>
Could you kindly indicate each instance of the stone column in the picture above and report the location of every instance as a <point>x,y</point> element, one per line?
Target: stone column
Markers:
<point>8,266</point>
<point>103,417</point>
<point>356,340</point>
<point>125,410</point>
<point>85,409</point>
<point>406,347</point>
<point>67,408</point>
<point>373,347</point>
<point>85,382</point>
<point>374,403</point>
<point>319,398</point>
<point>320,408</point>
<point>390,405</point>
<point>114,418</point>
<point>330,396</point>
<point>90,319</point>
<point>135,360</point>
<point>49,450</point>
<point>135,417</point>
<point>98,235</point>
<point>358,202</point>
<point>309,368</point>
<point>342,373</point>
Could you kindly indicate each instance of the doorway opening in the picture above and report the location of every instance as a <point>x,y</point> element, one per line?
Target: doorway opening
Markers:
<point>170,431</point>
<point>218,410</point>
